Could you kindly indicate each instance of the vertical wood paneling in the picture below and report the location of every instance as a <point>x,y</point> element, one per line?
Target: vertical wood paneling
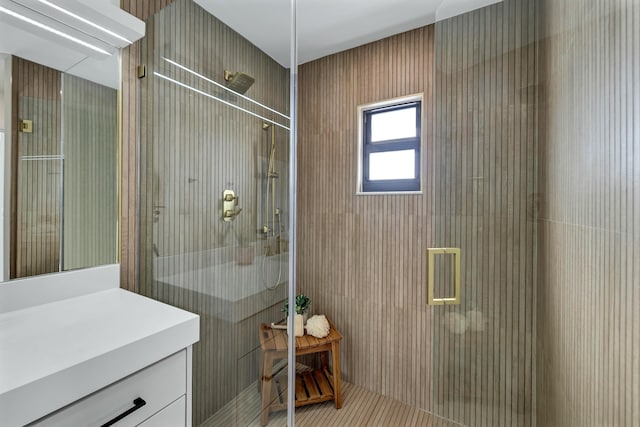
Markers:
<point>589,169</point>
<point>360,258</point>
<point>484,186</point>
<point>90,173</point>
<point>36,193</point>
<point>479,194</point>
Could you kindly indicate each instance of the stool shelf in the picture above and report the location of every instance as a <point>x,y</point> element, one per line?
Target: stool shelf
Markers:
<point>320,385</point>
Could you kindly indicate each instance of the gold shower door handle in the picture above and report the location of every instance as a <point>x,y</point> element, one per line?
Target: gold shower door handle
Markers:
<point>455,265</point>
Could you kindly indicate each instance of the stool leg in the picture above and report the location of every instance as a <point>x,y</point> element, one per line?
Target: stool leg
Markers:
<point>337,381</point>
<point>260,371</point>
<point>323,360</point>
<point>267,374</point>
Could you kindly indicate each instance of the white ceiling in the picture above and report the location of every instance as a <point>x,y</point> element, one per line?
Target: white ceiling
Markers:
<point>328,26</point>
<point>324,27</point>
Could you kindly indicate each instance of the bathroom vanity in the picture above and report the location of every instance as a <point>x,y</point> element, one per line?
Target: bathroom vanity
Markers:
<point>77,350</point>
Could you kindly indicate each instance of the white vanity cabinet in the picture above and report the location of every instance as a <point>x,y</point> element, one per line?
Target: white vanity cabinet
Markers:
<point>172,415</point>
<point>88,357</point>
<point>153,396</point>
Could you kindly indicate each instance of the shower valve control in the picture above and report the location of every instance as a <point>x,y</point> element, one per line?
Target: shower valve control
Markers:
<point>229,203</point>
<point>229,197</point>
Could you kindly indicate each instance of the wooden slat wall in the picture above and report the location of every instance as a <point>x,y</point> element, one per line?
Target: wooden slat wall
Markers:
<point>90,169</point>
<point>191,149</point>
<point>589,289</point>
<point>588,358</point>
<point>129,160</point>
<point>35,209</point>
<point>361,258</point>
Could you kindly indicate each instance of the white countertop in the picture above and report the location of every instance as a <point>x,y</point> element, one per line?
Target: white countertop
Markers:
<point>56,353</point>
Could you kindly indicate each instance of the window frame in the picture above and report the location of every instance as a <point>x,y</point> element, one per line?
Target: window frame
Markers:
<point>366,147</point>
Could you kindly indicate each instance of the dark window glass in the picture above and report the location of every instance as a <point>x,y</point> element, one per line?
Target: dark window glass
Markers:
<point>391,148</point>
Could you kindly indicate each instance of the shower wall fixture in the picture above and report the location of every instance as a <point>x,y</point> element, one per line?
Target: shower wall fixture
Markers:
<point>271,234</point>
<point>238,82</point>
<point>271,212</point>
<point>229,205</point>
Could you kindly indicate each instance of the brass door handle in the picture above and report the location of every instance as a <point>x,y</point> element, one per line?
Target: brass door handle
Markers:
<point>455,265</point>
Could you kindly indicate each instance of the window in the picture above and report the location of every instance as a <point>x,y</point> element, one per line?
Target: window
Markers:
<point>391,145</point>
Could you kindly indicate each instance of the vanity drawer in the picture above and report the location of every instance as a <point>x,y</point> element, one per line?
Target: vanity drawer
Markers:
<point>158,386</point>
<point>173,415</point>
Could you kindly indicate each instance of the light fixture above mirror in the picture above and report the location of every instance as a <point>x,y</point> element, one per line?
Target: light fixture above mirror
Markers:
<point>63,34</point>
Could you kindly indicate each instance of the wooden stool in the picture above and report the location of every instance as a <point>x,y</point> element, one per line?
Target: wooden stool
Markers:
<point>311,387</point>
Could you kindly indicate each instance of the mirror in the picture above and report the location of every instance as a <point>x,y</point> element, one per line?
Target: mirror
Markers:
<point>59,136</point>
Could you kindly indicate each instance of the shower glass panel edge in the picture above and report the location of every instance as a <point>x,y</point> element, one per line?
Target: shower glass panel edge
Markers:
<point>293,167</point>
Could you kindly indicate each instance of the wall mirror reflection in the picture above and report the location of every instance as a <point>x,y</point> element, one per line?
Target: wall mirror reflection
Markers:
<point>60,79</point>
<point>64,162</point>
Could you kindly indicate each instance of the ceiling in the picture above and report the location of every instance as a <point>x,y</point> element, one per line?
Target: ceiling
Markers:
<point>328,26</point>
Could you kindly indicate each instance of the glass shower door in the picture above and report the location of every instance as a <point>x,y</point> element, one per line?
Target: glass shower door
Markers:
<point>484,160</point>
<point>214,149</point>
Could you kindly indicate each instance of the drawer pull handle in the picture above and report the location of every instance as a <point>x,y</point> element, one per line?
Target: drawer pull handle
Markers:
<point>138,403</point>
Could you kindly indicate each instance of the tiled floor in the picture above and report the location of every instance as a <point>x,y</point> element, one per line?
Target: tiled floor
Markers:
<point>361,408</point>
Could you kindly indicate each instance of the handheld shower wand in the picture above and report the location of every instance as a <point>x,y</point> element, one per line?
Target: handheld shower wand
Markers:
<point>271,176</point>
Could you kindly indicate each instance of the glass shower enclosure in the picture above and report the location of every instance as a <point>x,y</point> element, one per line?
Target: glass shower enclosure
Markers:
<point>214,197</point>
<point>485,198</point>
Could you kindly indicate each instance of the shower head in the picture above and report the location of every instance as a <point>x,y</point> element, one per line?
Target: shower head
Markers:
<point>238,82</point>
